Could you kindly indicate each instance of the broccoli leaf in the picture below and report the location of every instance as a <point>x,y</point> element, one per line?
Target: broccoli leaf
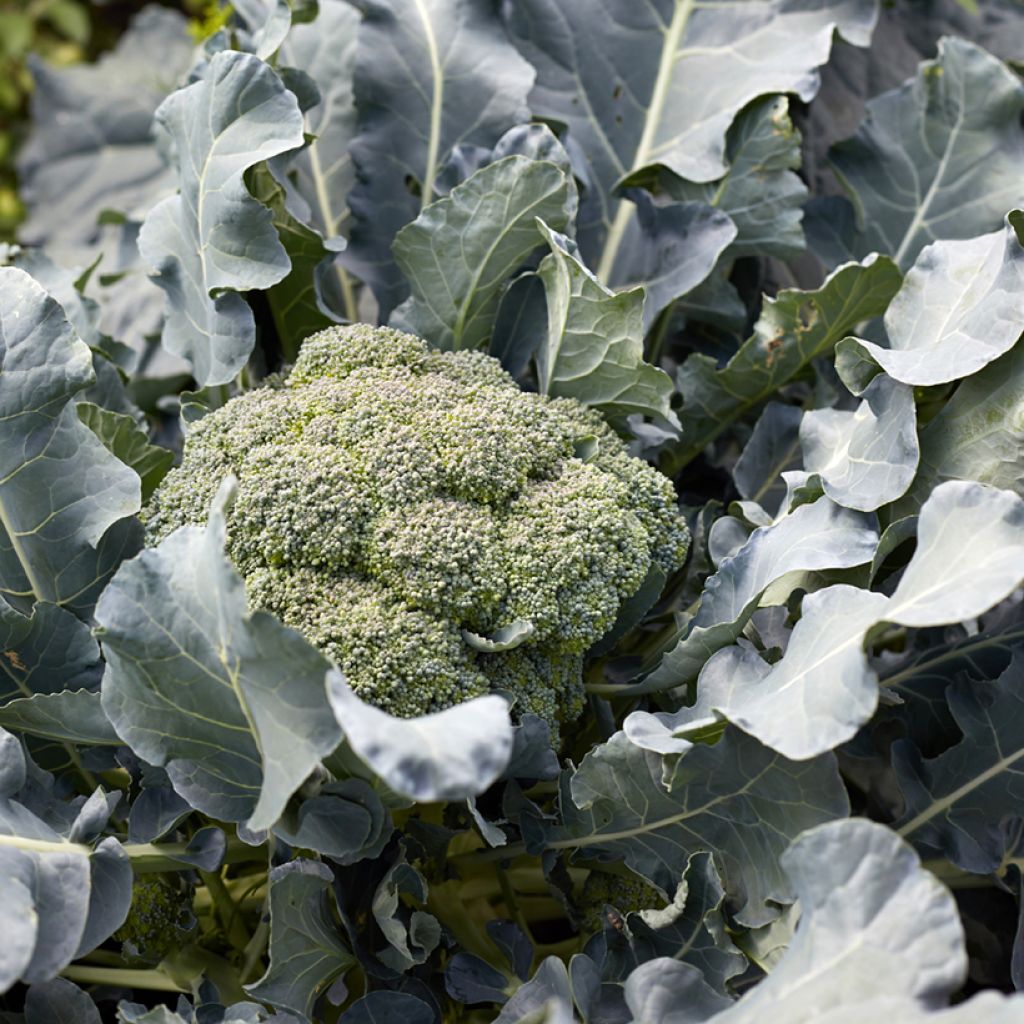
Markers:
<point>233,705</point>
<point>963,803</point>
<point>627,804</point>
<point>73,716</point>
<point>794,328</point>
<point>430,75</point>
<point>906,942</point>
<point>820,535</point>
<point>214,240</point>
<point>867,457</point>
<point>122,437</point>
<point>959,308</point>
<point>661,84</point>
<point>449,755</point>
<point>63,895</point>
<point>594,350</point>
<point>760,192</point>
<point>91,148</point>
<point>969,557</point>
<point>460,250</point>
<point>670,249</point>
<point>977,434</point>
<point>939,157</point>
<point>323,174</point>
<point>59,1001</point>
<point>306,954</point>
<point>62,494</point>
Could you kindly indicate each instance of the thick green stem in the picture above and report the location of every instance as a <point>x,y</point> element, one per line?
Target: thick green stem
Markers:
<point>252,964</point>
<point>234,929</point>
<point>121,977</point>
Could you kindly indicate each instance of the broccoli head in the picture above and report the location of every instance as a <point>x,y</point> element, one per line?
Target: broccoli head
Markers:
<point>160,919</point>
<point>397,504</point>
<point>628,894</point>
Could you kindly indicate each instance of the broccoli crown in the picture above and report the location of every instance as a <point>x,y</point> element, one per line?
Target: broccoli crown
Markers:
<point>393,499</point>
<point>160,919</point>
<point>628,894</point>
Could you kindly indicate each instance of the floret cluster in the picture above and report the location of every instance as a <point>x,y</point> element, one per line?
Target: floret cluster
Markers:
<point>396,504</point>
<point>626,893</point>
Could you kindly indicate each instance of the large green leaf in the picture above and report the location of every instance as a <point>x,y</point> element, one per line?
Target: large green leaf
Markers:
<point>979,433</point>
<point>122,437</point>
<point>969,557</point>
<point>296,302</point>
<point>213,240</point>
<point>961,802</point>
<point>460,251</point>
<point>61,491</point>
<point>594,348</point>
<point>64,893</point>
<point>691,929</point>
<point>660,83</point>
<point>879,938</point>
<point>820,535</point>
<point>866,457</point>
<point>872,920</point>
<point>449,755</point>
<point>430,75</point>
<point>940,157</point>
<point>233,705</point>
<point>736,798</point>
<point>91,146</point>
<point>325,49</point>
<point>48,651</point>
<point>760,192</point>
<point>59,1002</point>
<point>794,328</point>
<point>670,249</point>
<point>323,172</point>
<point>306,951</point>
<point>69,716</point>
<point>961,306</point>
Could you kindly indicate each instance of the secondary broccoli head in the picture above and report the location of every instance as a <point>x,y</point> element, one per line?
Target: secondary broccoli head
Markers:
<point>160,919</point>
<point>393,499</point>
<point>628,894</point>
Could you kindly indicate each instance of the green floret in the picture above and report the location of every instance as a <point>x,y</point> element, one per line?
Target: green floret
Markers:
<point>627,893</point>
<point>548,684</point>
<point>393,500</point>
<point>160,919</point>
<point>403,659</point>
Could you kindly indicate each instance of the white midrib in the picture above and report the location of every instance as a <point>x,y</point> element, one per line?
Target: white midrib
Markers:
<point>929,197</point>
<point>330,220</point>
<point>38,589</point>
<point>968,787</point>
<point>436,106</point>
<point>659,96</point>
<point>43,845</point>
<point>653,826</point>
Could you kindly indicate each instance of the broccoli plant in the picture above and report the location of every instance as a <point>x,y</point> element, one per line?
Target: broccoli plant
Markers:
<point>510,515</point>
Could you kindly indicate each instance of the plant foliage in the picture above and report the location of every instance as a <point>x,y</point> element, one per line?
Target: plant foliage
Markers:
<point>373,679</point>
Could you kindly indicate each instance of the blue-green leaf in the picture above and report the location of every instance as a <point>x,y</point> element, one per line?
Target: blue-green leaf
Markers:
<point>738,799</point>
<point>306,951</point>
<point>213,240</point>
<point>660,84</point>
<point>430,75</point>
<point>960,307</point>
<point>61,491</point>
<point>460,251</point>
<point>232,704</point>
<point>939,157</point>
<point>594,349</point>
